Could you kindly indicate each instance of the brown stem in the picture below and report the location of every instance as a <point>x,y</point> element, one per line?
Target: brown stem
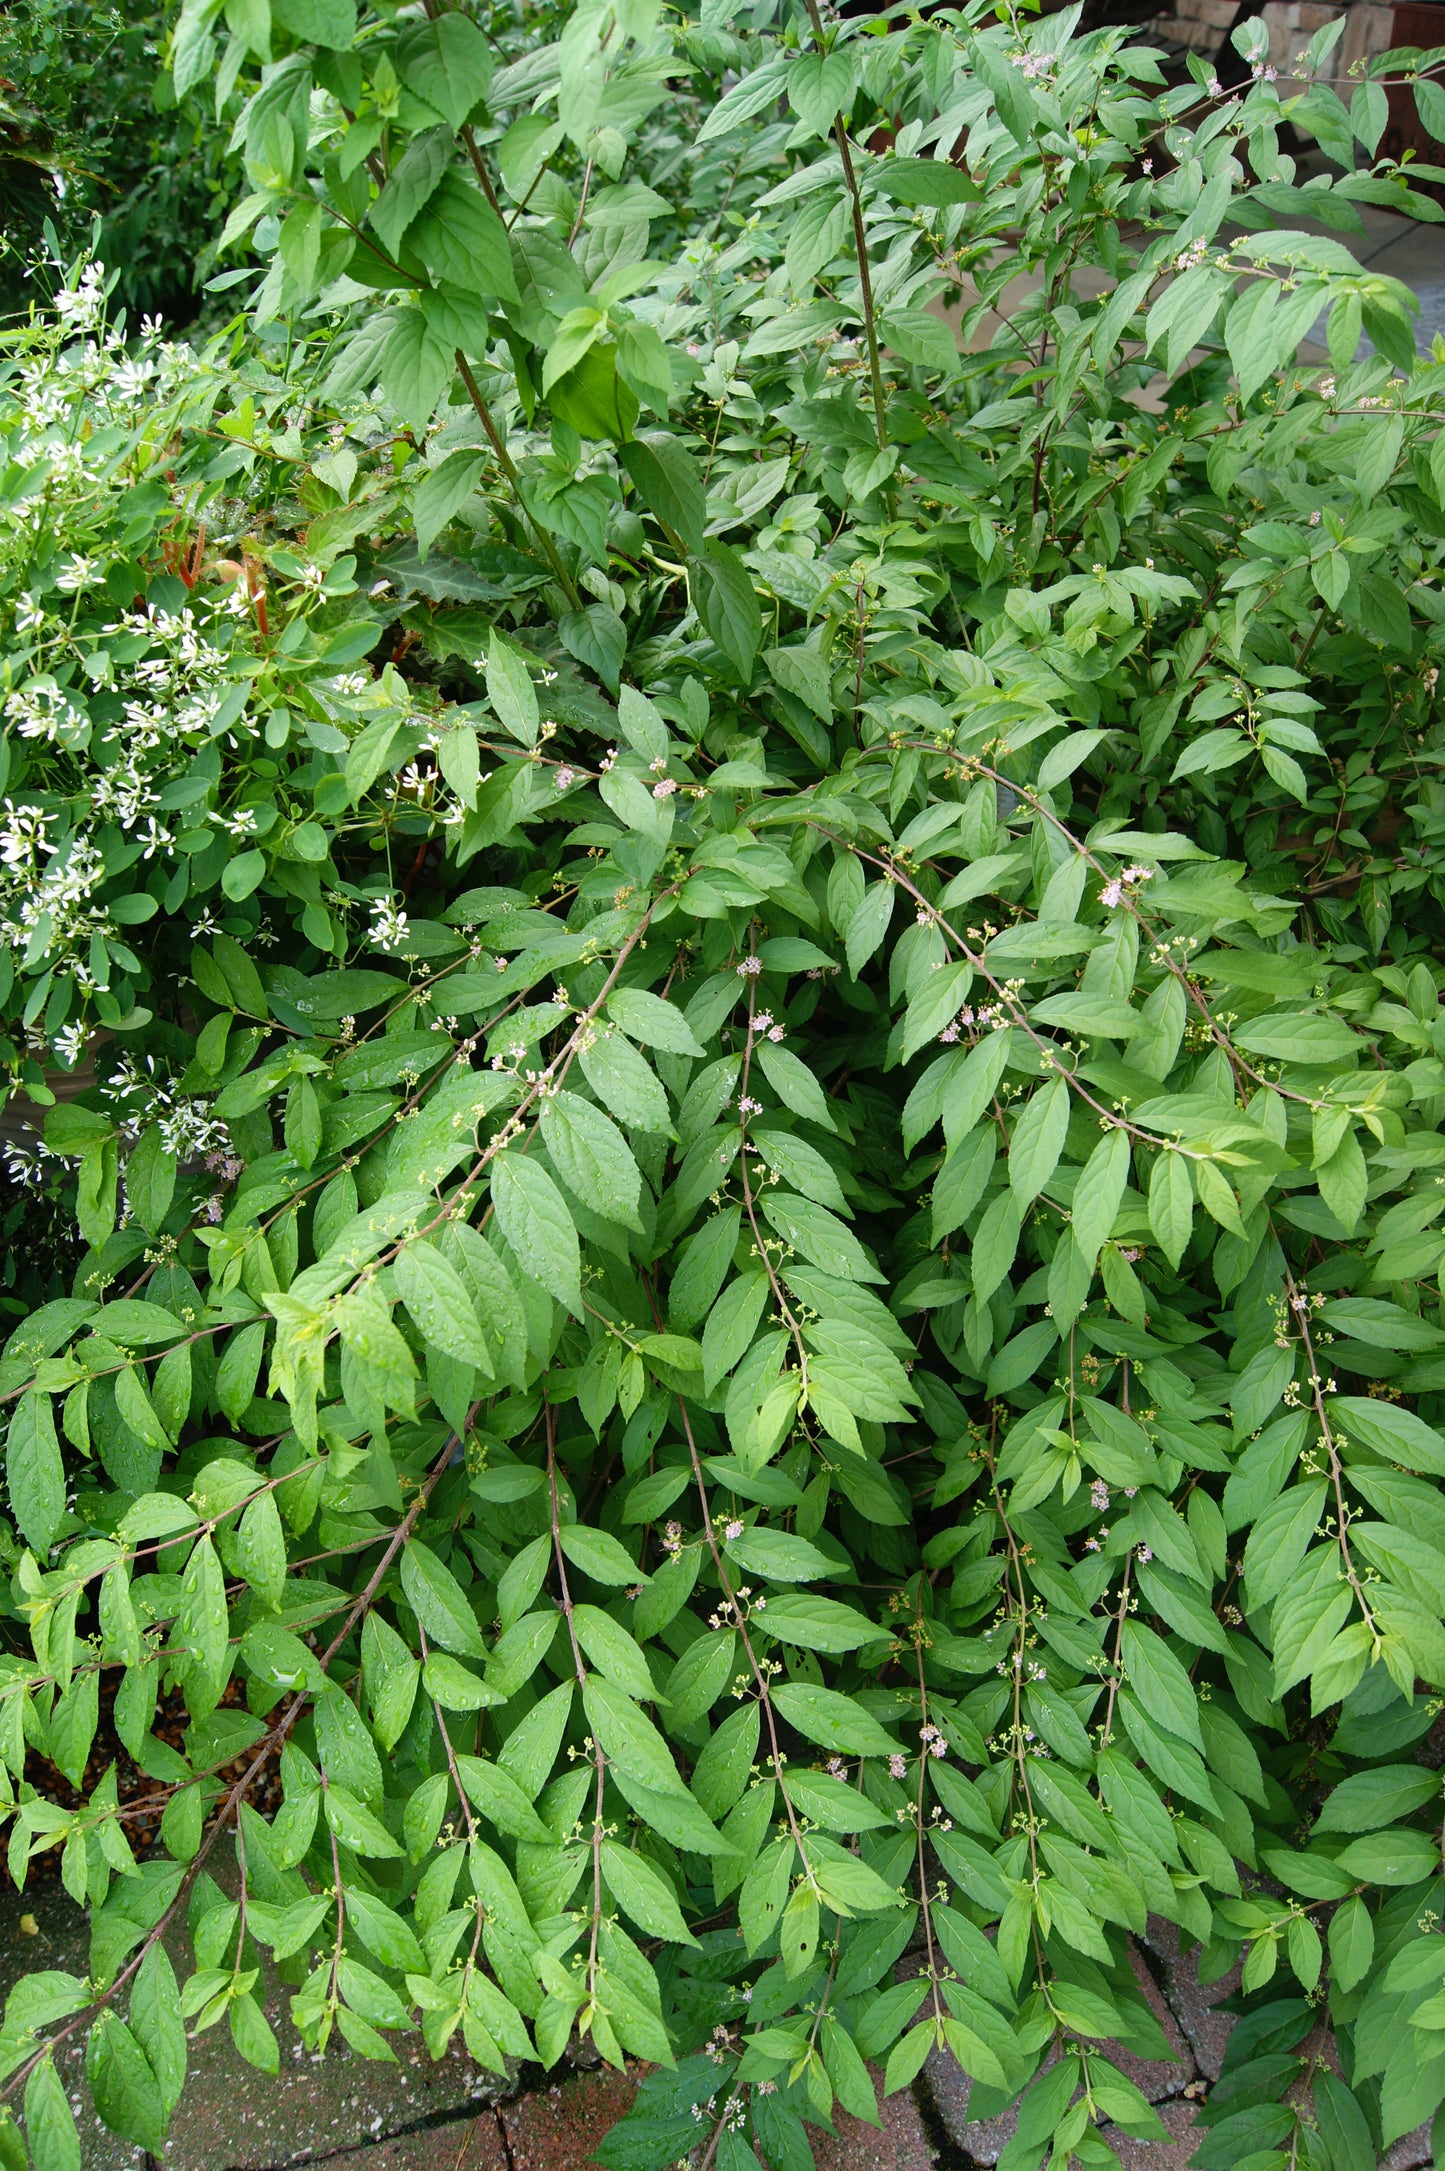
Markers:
<point>860,246</point>
<point>1299,1305</point>
<point>1119,1619</point>
<point>580,1669</point>
<point>514,481</point>
<point>760,1679</point>
<point>456,1776</point>
<point>237,1794</point>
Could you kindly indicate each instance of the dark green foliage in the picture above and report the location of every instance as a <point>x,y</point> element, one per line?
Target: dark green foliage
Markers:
<point>759,1222</point>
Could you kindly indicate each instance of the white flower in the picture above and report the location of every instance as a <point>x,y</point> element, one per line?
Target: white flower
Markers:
<point>389,924</point>
<point>80,573</point>
<point>155,837</point>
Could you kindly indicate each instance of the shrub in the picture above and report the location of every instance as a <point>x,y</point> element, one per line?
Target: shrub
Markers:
<point>105,143</point>
<point>820,1348</point>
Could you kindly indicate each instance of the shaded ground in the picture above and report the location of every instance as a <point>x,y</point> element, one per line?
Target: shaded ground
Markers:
<point>416,2116</point>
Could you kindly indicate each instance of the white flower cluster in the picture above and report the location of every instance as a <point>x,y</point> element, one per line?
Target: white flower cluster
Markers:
<point>141,1095</point>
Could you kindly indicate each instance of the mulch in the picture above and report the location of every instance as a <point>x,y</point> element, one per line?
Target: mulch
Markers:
<point>145,1798</point>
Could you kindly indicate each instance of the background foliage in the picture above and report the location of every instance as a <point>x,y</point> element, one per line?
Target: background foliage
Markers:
<point>90,130</point>
<point>757,1235</point>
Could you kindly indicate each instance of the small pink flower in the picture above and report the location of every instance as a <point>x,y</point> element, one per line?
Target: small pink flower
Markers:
<point>665,789</point>
<point>566,778</point>
<point>734,1529</point>
<point>898,1767</point>
<point>750,968</point>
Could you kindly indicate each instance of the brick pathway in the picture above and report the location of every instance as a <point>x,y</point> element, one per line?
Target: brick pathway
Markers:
<point>416,2116</point>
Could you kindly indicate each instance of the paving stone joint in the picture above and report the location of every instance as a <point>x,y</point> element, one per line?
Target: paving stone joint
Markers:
<point>451,2116</point>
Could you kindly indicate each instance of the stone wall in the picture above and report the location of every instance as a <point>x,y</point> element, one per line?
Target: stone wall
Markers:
<point>1203,25</point>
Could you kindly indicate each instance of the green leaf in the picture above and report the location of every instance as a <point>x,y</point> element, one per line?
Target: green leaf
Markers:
<point>443,490</point>
<point>1099,1193</point>
<point>656,1023</point>
<point>591,1156</point>
<point>493,1790</point>
<point>1369,1799</point>
<point>666,479</point>
<point>1396,1433</point>
<point>201,1624</point>
<point>356,1826</point>
<point>1038,1140</point>
<point>819,1236</point>
<point>1171,1204</point>
<point>727,605</point>
<point>260,1549</point>
<point>50,2131</point>
<point>821,85</point>
<point>454,1686</point>
<point>930,181</point>
<point>157,2027</point>
<point>779,1555</point>
<point>416,368</point>
<point>123,2088</point>
<point>440,1304</point>
<point>598,1555</point>
<point>1161,1682</point>
<point>511,692</point>
<point>1351,1943</point>
<point>629,1740</point>
<point>995,1244</point>
<point>1399,1857</point>
<point>869,925</point>
<point>534,1219</point>
<point>794,1084</point>
<point>833,1721</point>
<point>35,1472</point>
<point>611,1649</point>
<point>1293,1038</point>
<point>318,22</point>
<point>447,62</point>
<point>731,1326</point>
<point>439,1602</point>
<point>623,1080</point>
<point>150,1180</point>
<point>818,1624</point>
<point>252,2034</point>
<point>462,242</point>
<point>344,1747</point>
<point>644,1894</point>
